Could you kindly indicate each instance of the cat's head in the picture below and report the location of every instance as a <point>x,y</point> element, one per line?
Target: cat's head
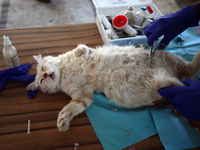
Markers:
<point>48,74</point>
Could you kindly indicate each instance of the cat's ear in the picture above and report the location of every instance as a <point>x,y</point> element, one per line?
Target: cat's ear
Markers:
<point>32,86</point>
<point>38,58</point>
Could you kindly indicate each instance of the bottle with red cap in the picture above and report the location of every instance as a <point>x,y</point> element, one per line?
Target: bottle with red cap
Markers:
<point>141,16</point>
<point>149,10</point>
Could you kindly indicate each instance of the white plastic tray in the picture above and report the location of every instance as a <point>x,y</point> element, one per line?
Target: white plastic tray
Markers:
<point>115,7</point>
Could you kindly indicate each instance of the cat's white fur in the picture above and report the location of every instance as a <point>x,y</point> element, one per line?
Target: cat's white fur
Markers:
<point>121,73</point>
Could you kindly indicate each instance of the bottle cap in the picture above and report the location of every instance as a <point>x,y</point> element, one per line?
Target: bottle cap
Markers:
<point>120,22</point>
<point>143,8</point>
<point>6,40</point>
<point>130,8</point>
<point>149,9</point>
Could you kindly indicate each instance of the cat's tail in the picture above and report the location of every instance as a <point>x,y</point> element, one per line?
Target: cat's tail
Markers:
<point>193,67</point>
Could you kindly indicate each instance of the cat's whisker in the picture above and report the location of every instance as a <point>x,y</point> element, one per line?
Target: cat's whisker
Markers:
<point>47,53</point>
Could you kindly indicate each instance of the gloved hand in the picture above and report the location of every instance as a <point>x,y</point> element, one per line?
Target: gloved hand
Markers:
<point>186,99</point>
<point>171,25</point>
<point>18,74</point>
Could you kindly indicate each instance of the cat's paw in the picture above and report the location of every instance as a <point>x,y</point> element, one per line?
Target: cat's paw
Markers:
<point>63,121</point>
<point>81,50</point>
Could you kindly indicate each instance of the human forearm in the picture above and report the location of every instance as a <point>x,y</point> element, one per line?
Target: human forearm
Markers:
<point>197,7</point>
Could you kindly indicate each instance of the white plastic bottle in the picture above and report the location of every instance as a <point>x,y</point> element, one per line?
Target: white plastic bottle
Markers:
<point>130,15</point>
<point>10,53</point>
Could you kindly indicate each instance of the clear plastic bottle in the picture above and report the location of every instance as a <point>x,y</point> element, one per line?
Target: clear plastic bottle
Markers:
<point>10,53</point>
<point>148,19</point>
<point>141,16</point>
<point>130,15</point>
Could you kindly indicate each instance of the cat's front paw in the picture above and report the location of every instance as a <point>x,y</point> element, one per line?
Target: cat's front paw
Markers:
<point>63,121</point>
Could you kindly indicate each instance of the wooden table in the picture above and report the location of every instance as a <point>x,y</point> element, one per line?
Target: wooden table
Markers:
<point>42,111</point>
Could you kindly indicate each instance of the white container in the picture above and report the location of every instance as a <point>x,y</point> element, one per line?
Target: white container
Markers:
<point>10,53</point>
<point>116,7</point>
<point>130,15</point>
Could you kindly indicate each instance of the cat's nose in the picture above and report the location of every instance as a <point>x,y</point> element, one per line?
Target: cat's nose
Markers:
<point>45,75</point>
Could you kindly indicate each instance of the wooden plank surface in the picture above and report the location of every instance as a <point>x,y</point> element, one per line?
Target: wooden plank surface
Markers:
<point>15,106</point>
<point>42,111</point>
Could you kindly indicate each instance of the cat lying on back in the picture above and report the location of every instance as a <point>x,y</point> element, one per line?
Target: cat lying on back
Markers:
<point>119,72</point>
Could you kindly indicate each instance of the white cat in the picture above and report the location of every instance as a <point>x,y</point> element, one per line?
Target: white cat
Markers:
<point>121,73</point>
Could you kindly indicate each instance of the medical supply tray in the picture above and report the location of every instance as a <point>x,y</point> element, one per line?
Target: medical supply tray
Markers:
<point>115,7</point>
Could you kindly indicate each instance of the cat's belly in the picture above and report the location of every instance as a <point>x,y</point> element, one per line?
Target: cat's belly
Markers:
<point>131,97</point>
<point>134,84</point>
<point>130,87</point>
<point>127,81</point>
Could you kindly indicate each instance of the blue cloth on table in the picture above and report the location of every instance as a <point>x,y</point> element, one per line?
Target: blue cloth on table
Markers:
<point>118,128</point>
<point>174,132</point>
<point>121,128</point>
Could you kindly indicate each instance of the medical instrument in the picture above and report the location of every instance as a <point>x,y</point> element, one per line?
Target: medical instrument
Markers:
<point>156,44</point>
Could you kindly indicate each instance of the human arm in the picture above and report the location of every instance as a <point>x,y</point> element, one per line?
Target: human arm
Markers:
<point>197,7</point>
<point>172,24</point>
<point>186,99</point>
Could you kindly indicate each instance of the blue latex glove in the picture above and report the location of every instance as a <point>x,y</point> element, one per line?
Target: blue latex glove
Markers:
<point>186,99</point>
<point>171,25</point>
<point>24,78</point>
<point>17,71</point>
<point>18,74</point>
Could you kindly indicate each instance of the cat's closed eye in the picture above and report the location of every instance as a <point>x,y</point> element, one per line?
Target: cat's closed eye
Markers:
<point>41,80</point>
